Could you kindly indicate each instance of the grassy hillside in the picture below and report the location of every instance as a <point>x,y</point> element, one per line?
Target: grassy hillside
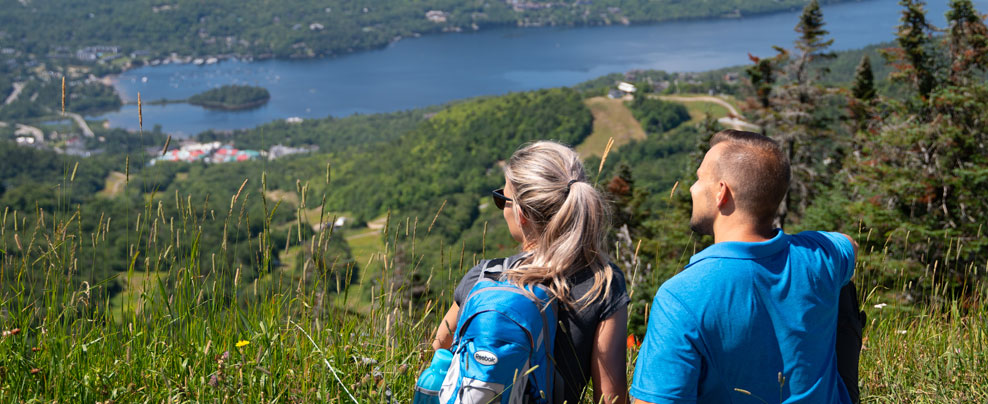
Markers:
<point>298,343</point>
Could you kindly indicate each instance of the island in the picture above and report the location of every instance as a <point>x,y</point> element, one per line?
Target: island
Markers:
<point>231,97</point>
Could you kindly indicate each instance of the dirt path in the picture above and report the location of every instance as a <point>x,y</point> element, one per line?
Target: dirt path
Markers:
<point>377,224</point>
<point>364,234</point>
<point>114,184</point>
<point>13,95</point>
<point>703,98</point>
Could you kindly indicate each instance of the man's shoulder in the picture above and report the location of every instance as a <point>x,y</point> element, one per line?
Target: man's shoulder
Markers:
<point>831,242</point>
<point>699,278</point>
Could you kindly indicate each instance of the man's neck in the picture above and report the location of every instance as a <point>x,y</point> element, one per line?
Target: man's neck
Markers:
<point>728,230</point>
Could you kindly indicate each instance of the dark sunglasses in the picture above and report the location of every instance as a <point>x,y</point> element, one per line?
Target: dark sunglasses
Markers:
<point>499,198</point>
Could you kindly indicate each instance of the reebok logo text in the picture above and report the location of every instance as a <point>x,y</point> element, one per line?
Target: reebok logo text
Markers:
<point>485,358</point>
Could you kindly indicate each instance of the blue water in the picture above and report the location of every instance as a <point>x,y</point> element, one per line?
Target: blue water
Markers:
<point>439,68</point>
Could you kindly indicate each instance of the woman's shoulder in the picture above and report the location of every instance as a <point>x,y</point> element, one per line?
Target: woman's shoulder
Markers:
<point>472,276</point>
<point>607,302</point>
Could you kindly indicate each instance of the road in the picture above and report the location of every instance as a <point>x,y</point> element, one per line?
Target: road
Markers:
<point>735,120</point>
<point>82,123</point>
<point>730,108</point>
<point>13,95</point>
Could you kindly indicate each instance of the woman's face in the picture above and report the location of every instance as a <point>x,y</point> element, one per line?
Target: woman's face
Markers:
<point>511,217</point>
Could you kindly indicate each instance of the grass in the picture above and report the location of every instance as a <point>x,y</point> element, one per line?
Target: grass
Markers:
<point>938,356</point>
<point>611,119</point>
<point>203,334</point>
<point>700,110</point>
<point>127,301</point>
<point>366,246</point>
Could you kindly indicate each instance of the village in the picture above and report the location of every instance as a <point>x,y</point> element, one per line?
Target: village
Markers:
<point>217,152</point>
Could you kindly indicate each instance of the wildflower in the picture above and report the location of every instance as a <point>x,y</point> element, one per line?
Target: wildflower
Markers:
<point>901,332</point>
<point>880,305</point>
<point>633,341</point>
<point>242,343</point>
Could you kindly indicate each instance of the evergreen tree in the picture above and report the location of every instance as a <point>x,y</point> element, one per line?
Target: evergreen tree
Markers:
<point>968,40</point>
<point>913,37</point>
<point>864,81</point>
<point>811,43</point>
<point>796,115</point>
<point>762,75</point>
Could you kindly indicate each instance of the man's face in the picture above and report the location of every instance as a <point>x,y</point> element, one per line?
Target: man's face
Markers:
<point>704,192</point>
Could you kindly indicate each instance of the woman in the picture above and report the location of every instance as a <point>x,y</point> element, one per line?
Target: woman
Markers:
<point>561,221</point>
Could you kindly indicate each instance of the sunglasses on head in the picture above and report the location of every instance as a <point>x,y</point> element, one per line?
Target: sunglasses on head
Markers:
<point>499,198</point>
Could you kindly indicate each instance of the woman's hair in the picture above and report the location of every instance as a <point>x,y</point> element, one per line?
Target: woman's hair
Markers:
<point>569,218</point>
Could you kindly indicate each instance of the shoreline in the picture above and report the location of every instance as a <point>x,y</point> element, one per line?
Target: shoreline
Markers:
<point>112,80</point>
<point>210,59</point>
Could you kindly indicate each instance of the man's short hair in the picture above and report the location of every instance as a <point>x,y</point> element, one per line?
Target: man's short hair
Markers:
<point>756,169</point>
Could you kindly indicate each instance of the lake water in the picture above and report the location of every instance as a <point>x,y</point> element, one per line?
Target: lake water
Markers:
<point>436,69</point>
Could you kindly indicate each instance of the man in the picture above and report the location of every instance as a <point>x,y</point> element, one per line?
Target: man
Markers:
<point>752,318</point>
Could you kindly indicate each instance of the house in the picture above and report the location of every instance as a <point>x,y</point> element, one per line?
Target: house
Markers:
<point>278,151</point>
<point>93,53</point>
<point>626,88</point>
<point>436,16</point>
<point>340,222</point>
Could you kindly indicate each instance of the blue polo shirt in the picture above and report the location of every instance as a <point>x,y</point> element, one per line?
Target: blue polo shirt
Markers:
<point>723,329</point>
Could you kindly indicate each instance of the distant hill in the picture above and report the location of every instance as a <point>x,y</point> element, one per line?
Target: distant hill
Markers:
<point>309,28</point>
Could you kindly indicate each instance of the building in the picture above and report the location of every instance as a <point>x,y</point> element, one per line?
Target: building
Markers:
<point>278,151</point>
<point>626,88</point>
<point>93,53</point>
<point>436,16</point>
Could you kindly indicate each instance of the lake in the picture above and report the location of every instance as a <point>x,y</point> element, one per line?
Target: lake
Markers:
<point>435,69</point>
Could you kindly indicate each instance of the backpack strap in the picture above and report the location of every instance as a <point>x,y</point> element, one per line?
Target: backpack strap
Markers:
<point>490,269</point>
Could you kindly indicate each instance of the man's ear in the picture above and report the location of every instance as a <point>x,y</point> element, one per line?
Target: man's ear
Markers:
<point>724,194</point>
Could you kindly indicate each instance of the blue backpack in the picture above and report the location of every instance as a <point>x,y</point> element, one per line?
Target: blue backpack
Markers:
<point>502,345</point>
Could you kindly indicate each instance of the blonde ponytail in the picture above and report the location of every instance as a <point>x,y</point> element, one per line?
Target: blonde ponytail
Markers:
<point>569,218</point>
